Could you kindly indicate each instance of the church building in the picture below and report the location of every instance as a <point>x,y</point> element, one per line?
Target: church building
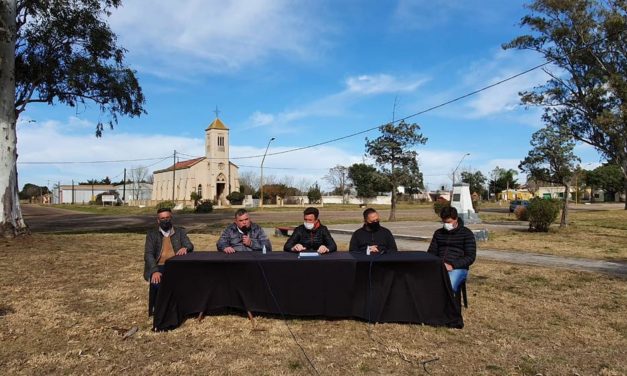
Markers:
<point>213,176</point>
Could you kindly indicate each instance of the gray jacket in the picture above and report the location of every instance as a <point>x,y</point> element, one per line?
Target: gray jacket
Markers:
<point>152,249</point>
<point>231,237</point>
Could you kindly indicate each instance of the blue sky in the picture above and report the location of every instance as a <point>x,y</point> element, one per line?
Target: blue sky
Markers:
<point>303,72</point>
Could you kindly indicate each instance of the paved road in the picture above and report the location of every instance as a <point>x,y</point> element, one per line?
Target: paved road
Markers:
<point>410,235</point>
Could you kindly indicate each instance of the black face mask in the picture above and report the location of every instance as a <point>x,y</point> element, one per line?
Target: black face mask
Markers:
<point>374,226</point>
<point>165,225</point>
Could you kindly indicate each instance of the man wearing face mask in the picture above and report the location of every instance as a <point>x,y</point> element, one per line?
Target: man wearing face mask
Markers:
<point>311,235</point>
<point>372,238</point>
<point>162,243</point>
<point>242,235</point>
<point>455,244</point>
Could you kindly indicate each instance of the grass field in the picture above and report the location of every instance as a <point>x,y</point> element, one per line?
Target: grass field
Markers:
<point>68,299</point>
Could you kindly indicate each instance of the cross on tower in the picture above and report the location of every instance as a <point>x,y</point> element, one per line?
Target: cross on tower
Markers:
<point>217,112</point>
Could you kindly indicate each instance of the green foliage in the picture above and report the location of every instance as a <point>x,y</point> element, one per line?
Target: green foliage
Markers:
<point>368,182</point>
<point>502,179</point>
<point>194,196</point>
<point>236,198</point>
<point>314,195</point>
<point>395,156</point>
<point>476,181</point>
<point>165,204</point>
<point>32,190</point>
<point>587,91</point>
<point>66,52</point>
<point>521,213</point>
<point>542,212</point>
<point>607,177</point>
<point>205,206</point>
<point>439,204</point>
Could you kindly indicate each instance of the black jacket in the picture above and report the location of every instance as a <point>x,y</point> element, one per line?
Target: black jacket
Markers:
<point>456,247</point>
<point>311,239</point>
<point>363,237</point>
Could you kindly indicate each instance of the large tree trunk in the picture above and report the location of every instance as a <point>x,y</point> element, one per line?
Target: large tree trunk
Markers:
<point>393,207</point>
<point>564,219</point>
<point>11,221</point>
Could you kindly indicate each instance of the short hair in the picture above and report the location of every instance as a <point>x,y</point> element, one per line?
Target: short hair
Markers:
<point>240,212</point>
<point>161,210</point>
<point>448,212</point>
<point>367,212</point>
<point>312,210</point>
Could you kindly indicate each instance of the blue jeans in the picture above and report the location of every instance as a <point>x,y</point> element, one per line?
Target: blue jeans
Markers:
<point>457,276</point>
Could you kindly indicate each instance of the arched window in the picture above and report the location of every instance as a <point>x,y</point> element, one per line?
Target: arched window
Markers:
<point>199,190</point>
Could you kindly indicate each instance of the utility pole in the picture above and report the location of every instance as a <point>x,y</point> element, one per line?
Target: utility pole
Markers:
<point>124,187</point>
<point>72,191</point>
<point>174,177</point>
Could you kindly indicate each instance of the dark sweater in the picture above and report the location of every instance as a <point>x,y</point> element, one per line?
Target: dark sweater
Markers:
<point>363,237</point>
<point>456,247</point>
<point>311,239</point>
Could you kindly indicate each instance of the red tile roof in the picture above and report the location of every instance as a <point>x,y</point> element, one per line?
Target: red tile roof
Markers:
<point>182,165</point>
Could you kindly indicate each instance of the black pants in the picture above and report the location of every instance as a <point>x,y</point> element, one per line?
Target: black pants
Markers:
<point>152,292</point>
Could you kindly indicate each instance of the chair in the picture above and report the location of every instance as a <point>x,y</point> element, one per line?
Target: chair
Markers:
<point>461,294</point>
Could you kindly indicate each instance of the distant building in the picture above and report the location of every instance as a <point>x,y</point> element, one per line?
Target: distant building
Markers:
<point>212,176</point>
<point>79,194</point>
<point>134,191</point>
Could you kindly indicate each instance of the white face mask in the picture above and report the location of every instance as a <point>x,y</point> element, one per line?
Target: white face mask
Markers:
<point>308,226</point>
<point>449,226</point>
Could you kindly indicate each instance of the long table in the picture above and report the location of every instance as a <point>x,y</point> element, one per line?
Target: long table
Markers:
<point>403,287</point>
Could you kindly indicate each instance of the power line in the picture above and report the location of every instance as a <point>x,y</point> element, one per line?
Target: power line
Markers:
<point>94,162</point>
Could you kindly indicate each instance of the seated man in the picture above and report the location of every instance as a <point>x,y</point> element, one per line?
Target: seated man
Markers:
<point>455,244</point>
<point>372,237</point>
<point>243,235</point>
<point>162,243</point>
<point>311,235</point>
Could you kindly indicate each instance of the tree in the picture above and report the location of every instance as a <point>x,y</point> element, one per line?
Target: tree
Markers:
<point>552,160</point>
<point>338,179</point>
<point>31,190</point>
<point>393,152</point>
<point>368,182</point>
<point>248,182</point>
<point>607,177</point>
<point>314,195</point>
<point>138,175</point>
<point>476,181</point>
<point>587,41</point>
<point>503,179</point>
<point>56,52</point>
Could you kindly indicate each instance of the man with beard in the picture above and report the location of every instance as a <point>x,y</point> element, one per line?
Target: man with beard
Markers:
<point>372,238</point>
<point>162,243</point>
<point>242,235</point>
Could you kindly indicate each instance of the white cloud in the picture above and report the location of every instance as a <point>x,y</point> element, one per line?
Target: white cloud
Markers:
<point>380,84</point>
<point>177,38</point>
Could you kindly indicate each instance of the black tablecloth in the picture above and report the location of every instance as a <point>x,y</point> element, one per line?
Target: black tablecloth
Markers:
<point>406,287</point>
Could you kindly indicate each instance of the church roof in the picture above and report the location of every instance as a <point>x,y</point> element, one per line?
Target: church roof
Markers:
<point>182,165</point>
<point>217,124</point>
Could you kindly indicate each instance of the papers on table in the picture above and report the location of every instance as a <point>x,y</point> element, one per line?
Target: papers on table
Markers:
<point>308,254</point>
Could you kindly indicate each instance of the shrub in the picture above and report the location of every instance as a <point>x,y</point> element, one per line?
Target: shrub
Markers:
<point>439,204</point>
<point>542,212</point>
<point>236,198</point>
<point>166,204</point>
<point>521,213</point>
<point>205,206</point>
<point>476,204</point>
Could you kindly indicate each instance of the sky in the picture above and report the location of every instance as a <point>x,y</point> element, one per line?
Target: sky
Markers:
<point>303,72</point>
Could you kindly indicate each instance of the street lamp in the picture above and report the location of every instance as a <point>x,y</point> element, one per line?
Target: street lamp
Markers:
<point>261,175</point>
<point>455,171</point>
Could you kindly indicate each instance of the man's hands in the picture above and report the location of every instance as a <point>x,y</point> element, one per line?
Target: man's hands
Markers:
<point>449,267</point>
<point>155,278</point>
<point>298,248</point>
<point>323,249</point>
<point>181,252</point>
<point>229,250</point>
<point>247,240</point>
<point>374,248</point>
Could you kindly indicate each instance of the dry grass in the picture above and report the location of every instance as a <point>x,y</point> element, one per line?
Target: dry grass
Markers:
<point>67,299</point>
<point>595,234</point>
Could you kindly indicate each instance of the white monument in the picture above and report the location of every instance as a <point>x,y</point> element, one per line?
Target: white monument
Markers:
<point>463,203</point>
